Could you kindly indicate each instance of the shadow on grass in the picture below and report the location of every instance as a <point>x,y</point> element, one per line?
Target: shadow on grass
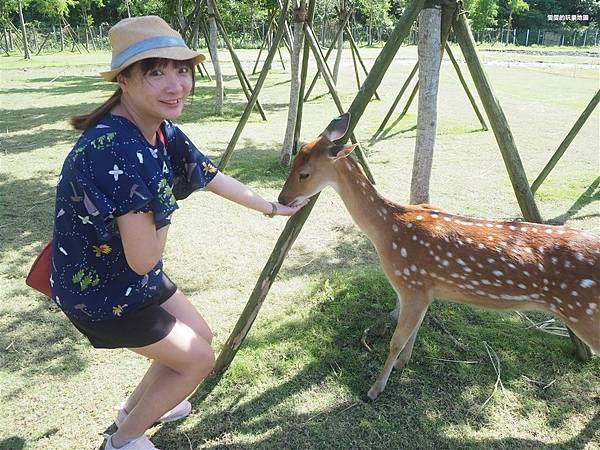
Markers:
<point>26,220</point>
<point>315,354</point>
<point>12,443</point>
<point>591,194</point>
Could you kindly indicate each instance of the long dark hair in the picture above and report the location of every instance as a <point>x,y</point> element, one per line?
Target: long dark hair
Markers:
<point>84,121</point>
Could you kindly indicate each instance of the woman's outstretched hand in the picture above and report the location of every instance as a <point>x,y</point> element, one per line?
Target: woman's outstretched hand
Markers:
<point>283,210</point>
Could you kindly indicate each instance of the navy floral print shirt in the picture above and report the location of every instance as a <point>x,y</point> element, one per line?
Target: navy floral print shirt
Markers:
<point>111,171</point>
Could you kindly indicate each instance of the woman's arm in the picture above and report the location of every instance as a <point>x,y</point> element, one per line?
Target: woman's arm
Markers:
<point>237,192</point>
<point>142,242</point>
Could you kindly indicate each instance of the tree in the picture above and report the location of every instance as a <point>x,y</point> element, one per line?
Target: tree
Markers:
<point>515,6</point>
<point>482,13</point>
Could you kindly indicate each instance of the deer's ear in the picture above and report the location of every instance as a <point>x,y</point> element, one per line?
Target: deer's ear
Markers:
<point>337,128</point>
<point>341,151</point>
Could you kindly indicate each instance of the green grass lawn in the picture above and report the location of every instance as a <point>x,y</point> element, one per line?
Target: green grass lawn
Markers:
<point>296,382</point>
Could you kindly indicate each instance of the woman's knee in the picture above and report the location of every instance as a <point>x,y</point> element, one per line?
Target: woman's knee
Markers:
<point>201,359</point>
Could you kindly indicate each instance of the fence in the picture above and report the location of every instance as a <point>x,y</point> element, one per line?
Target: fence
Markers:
<point>84,39</point>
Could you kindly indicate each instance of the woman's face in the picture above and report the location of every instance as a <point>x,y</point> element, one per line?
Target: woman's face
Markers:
<point>158,93</point>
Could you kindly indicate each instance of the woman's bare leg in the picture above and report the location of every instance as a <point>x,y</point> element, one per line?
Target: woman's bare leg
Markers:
<point>180,307</point>
<point>187,359</point>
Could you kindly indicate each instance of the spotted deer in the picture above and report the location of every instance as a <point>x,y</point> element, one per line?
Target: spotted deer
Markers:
<point>427,253</point>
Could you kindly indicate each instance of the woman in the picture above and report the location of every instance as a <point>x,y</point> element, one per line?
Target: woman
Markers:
<point>115,196</point>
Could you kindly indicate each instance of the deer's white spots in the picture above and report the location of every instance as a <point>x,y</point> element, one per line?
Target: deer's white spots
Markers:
<point>568,264</point>
<point>541,250</point>
<point>587,283</point>
<point>403,252</point>
<point>421,241</point>
<point>406,271</point>
<point>563,285</point>
<point>561,231</point>
<point>479,224</point>
<point>511,282</point>
<point>480,292</point>
<point>434,215</point>
<point>467,269</point>
<point>512,227</point>
<point>573,319</point>
<point>449,254</point>
<point>480,246</point>
<point>549,230</point>
<point>461,262</point>
<point>554,260</point>
<point>437,258</point>
<point>384,210</point>
<point>522,286</point>
<point>486,282</point>
<point>419,217</point>
<point>455,275</point>
<point>524,229</point>
<point>394,245</point>
<point>574,293</point>
<point>498,273</point>
<point>445,263</point>
<point>468,286</point>
<point>397,273</point>
<point>489,225</point>
<point>589,311</point>
<point>423,272</point>
<point>371,198</point>
<point>395,228</point>
<point>475,282</point>
<point>490,238</point>
<point>578,304</point>
<point>534,229</point>
<point>526,273</point>
<point>413,268</point>
<point>540,267</point>
<point>409,225</point>
<point>414,238</point>
<point>469,240</point>
<point>579,256</point>
<point>447,219</point>
<point>437,227</point>
<point>593,306</point>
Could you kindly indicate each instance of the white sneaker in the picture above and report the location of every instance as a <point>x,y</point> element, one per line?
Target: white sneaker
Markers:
<point>179,412</point>
<point>141,443</point>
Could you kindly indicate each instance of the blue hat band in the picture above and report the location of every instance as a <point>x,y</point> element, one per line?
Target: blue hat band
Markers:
<point>147,44</point>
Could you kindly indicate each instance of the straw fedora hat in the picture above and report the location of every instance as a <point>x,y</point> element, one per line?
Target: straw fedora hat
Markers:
<point>138,38</point>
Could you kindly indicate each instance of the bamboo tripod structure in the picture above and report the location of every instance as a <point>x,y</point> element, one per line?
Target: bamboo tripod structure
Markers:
<point>239,70</point>
<point>294,225</point>
<point>317,53</point>
<point>414,92</point>
<point>345,30</point>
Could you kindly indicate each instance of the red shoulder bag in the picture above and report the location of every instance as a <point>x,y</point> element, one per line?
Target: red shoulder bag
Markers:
<point>39,274</point>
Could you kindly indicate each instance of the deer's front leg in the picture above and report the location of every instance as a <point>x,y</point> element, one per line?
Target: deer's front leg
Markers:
<point>412,311</point>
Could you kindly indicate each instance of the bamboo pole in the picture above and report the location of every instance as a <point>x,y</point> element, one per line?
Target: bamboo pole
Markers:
<point>466,88</point>
<point>306,53</point>
<point>498,121</point>
<point>316,76</point>
<point>564,145</point>
<point>355,65</point>
<point>263,42</point>
<point>312,41</point>
<point>382,63</point>
<point>397,99</point>
<point>360,60</point>
<point>244,81</point>
<point>295,223</point>
<point>259,83</point>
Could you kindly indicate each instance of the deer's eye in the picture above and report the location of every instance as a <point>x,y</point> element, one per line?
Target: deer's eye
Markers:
<point>304,176</point>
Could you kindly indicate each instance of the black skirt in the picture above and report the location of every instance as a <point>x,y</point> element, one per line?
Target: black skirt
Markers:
<point>144,326</point>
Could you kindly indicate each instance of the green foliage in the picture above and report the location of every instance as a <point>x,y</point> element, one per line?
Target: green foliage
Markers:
<point>482,13</point>
<point>375,12</point>
<point>54,8</point>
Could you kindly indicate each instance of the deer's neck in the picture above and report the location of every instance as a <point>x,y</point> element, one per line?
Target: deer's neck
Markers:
<point>369,210</point>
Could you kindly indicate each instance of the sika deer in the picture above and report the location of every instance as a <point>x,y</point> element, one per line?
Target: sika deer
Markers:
<point>426,253</point>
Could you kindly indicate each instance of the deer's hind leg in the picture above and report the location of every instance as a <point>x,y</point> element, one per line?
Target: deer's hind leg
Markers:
<point>413,307</point>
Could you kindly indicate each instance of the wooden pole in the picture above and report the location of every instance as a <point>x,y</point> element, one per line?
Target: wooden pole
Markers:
<point>466,88</point>
<point>397,99</point>
<point>239,70</point>
<point>306,53</point>
<point>382,63</point>
<point>312,41</point>
<point>316,77</point>
<point>295,223</point>
<point>498,121</point>
<point>259,83</point>
<point>360,60</point>
<point>429,51</point>
<point>263,42</point>
<point>562,148</point>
